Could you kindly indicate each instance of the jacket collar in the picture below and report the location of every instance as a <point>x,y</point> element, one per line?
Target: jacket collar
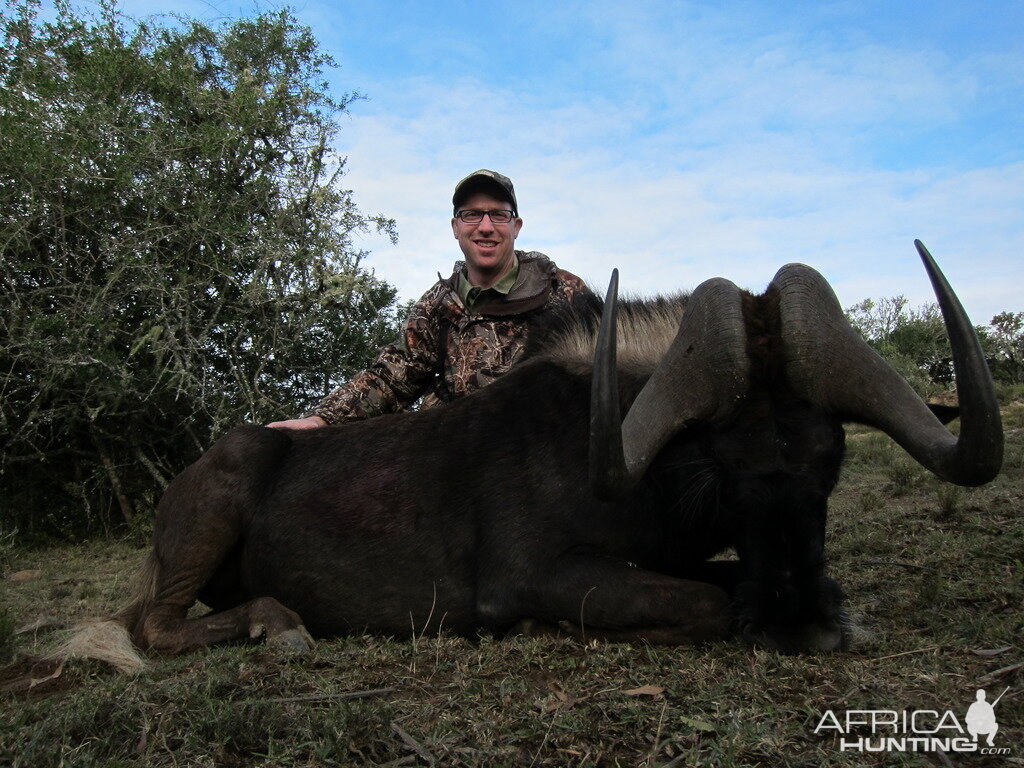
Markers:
<point>530,290</point>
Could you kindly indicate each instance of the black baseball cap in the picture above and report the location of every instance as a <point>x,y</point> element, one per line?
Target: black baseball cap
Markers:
<point>491,182</point>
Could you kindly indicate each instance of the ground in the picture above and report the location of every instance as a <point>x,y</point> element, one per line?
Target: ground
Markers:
<point>934,575</point>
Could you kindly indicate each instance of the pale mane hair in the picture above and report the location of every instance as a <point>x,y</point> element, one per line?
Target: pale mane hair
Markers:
<point>645,329</point>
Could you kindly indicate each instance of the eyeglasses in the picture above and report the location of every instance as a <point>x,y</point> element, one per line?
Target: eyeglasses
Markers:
<point>474,216</point>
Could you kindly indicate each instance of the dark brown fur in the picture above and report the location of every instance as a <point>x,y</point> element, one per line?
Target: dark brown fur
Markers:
<point>478,514</point>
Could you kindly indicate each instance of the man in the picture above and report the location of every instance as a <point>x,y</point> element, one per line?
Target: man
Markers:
<point>465,331</point>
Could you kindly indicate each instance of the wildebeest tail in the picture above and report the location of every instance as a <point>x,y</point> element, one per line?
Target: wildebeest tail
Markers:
<point>110,639</point>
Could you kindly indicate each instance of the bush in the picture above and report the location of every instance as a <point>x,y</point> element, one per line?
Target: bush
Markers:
<point>178,252</point>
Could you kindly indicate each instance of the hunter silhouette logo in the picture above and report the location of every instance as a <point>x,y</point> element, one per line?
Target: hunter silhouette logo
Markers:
<point>917,730</point>
<point>981,717</point>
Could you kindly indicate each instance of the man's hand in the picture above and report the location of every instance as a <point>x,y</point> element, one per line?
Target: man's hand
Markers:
<point>310,422</point>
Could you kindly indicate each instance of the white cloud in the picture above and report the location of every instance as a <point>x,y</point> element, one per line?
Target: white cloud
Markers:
<point>740,214</point>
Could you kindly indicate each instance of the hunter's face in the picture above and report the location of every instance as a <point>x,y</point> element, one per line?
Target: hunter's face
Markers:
<point>488,246</point>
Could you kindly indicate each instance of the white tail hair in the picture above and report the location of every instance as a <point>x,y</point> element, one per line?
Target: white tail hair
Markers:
<point>106,640</point>
<point>110,639</point>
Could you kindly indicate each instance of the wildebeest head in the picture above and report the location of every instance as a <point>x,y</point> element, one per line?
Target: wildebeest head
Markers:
<point>707,374</point>
<point>753,392</point>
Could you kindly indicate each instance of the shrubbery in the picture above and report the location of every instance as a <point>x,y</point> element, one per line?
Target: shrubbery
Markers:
<point>177,252</point>
<point>915,343</point>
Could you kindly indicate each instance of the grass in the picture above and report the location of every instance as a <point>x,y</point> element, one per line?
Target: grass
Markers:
<point>935,576</point>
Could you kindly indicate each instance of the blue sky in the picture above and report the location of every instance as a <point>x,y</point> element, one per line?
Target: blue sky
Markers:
<point>684,140</point>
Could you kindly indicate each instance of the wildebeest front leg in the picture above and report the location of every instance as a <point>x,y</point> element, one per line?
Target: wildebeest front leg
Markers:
<point>604,598</point>
<point>787,602</point>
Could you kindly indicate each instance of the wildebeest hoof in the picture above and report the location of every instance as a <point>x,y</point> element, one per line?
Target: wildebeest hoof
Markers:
<point>297,640</point>
<point>780,619</point>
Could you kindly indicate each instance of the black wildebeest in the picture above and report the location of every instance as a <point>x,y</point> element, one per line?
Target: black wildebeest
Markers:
<point>534,498</point>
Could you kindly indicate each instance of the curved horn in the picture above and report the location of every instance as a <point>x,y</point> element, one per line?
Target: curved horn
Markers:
<point>701,376</point>
<point>831,365</point>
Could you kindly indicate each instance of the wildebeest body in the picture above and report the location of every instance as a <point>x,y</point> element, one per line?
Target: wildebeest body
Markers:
<point>361,531</point>
<point>359,528</point>
<point>492,509</point>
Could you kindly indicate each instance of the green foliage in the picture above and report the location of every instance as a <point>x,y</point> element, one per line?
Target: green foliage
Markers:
<point>915,343</point>
<point>1006,339</point>
<point>8,545</point>
<point>177,252</point>
<point>1009,393</point>
<point>904,476</point>
<point>869,501</point>
<point>950,498</point>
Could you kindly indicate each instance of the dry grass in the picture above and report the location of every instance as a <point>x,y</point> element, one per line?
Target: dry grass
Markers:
<point>935,576</point>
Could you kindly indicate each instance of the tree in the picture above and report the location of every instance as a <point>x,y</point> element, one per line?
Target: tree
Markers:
<point>177,251</point>
<point>913,341</point>
<point>877,320</point>
<point>1007,340</point>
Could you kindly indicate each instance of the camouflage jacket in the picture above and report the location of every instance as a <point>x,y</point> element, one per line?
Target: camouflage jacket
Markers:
<point>446,350</point>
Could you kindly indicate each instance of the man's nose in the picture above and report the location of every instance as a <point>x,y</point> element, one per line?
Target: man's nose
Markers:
<point>486,223</point>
